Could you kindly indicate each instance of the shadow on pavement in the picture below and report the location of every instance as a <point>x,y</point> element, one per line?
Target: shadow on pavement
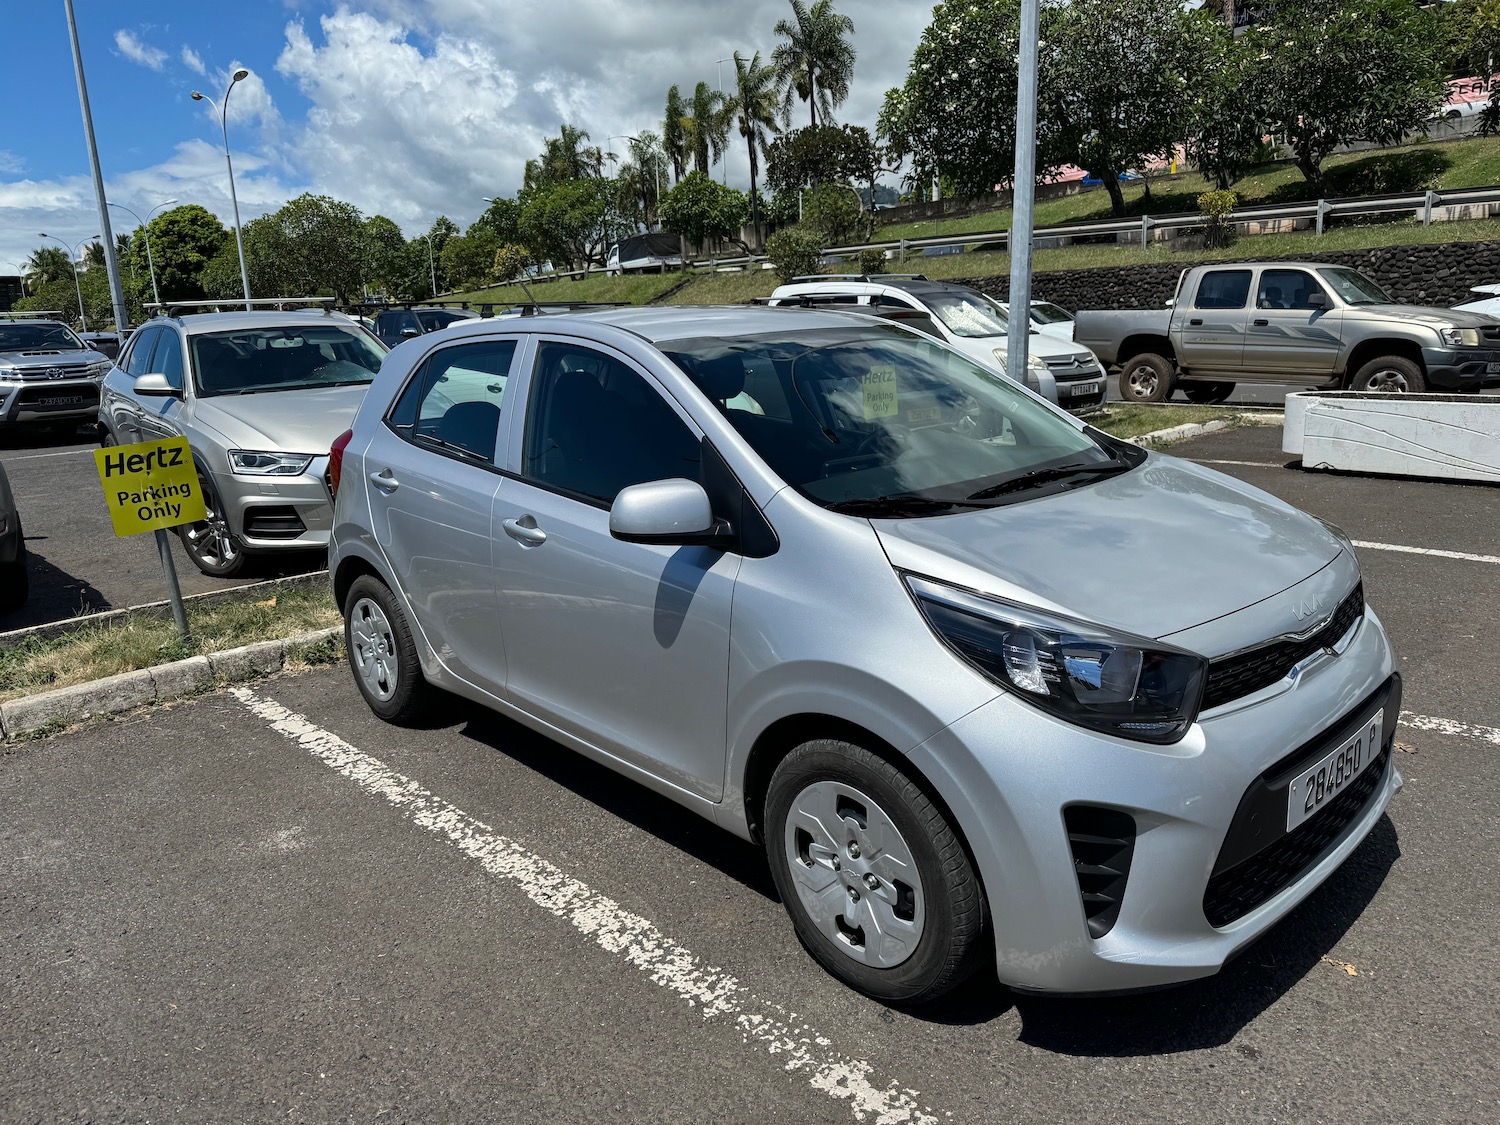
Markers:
<point>55,594</point>
<point>26,436</point>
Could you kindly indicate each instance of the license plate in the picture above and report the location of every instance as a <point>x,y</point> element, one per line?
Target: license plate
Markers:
<point>60,400</point>
<point>1491,368</point>
<point>1077,389</point>
<point>1324,780</point>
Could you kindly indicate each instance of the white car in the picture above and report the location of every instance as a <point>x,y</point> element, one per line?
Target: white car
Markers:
<point>1489,304</point>
<point>968,321</point>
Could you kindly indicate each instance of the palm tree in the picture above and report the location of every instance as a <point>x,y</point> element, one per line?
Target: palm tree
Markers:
<point>47,264</point>
<point>565,157</point>
<point>753,108</point>
<point>816,62</point>
<point>706,127</point>
<point>674,134</point>
<point>649,162</point>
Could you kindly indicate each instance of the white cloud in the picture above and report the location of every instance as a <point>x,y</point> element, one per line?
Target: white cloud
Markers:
<point>192,61</point>
<point>250,103</point>
<point>136,51</point>
<point>10,163</point>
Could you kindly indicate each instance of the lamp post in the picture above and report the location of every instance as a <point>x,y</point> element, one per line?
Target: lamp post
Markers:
<point>146,234</point>
<point>73,261</point>
<point>223,109</point>
<point>431,263</point>
<point>723,169</point>
<point>20,274</point>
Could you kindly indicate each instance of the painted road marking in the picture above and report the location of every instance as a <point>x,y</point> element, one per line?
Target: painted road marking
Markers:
<point>1426,551</point>
<point>38,456</point>
<point>1451,726</point>
<point>763,1025</point>
<point>1248,464</point>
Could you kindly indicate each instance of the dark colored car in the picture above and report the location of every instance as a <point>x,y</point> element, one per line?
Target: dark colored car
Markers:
<point>13,580</point>
<point>394,325</point>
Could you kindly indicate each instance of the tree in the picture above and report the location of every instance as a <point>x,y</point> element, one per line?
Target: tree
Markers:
<point>955,115</point>
<point>46,265</point>
<point>266,256</point>
<point>703,210</point>
<point>566,222</point>
<point>564,157</point>
<point>1224,136</point>
<point>385,257</point>
<point>1338,71</point>
<point>705,128</point>
<point>673,133</point>
<point>183,241</point>
<point>469,258</point>
<point>93,256</point>
<point>1115,92</point>
<point>324,240</point>
<point>812,155</point>
<point>816,62</point>
<point>753,111</point>
<point>833,212</point>
<point>502,219</point>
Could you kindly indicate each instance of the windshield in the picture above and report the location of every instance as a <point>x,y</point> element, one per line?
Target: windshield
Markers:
<point>966,314</point>
<point>879,421</point>
<point>1044,313</point>
<point>38,338</point>
<point>1354,288</point>
<point>252,360</point>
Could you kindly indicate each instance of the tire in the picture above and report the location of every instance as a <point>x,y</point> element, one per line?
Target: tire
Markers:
<point>382,654</point>
<point>15,582</point>
<point>1207,394</point>
<point>918,885</point>
<point>1391,374</point>
<point>1147,377</point>
<point>213,547</point>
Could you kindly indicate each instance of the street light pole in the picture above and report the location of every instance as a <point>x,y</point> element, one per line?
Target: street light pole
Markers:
<point>431,263</point>
<point>1023,190</point>
<point>239,240</point>
<point>723,168</point>
<point>146,234</point>
<point>73,261</point>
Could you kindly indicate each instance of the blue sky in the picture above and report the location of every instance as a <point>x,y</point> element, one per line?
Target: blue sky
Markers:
<point>408,108</point>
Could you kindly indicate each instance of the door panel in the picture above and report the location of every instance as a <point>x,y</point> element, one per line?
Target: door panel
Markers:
<point>1210,335</point>
<point>1287,336</point>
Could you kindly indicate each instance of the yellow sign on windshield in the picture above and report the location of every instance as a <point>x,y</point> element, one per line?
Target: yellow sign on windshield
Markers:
<point>880,392</point>
<point>150,486</point>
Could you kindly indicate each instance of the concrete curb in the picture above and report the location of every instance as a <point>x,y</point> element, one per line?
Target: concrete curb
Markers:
<point>129,690</point>
<point>1194,429</point>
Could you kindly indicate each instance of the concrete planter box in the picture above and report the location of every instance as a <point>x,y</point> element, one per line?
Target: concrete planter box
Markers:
<point>1455,437</point>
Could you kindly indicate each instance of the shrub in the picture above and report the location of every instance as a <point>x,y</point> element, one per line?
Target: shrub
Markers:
<point>794,252</point>
<point>872,261</point>
<point>1216,207</point>
<point>510,262</point>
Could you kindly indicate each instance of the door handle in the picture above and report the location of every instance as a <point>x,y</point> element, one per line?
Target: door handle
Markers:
<point>1196,321</point>
<point>525,531</point>
<point>1261,322</point>
<point>385,480</point>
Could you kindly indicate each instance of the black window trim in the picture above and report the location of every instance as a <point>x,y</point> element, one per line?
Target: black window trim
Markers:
<point>522,343</point>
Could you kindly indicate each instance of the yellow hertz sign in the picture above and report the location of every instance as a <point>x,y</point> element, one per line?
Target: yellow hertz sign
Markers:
<point>150,485</point>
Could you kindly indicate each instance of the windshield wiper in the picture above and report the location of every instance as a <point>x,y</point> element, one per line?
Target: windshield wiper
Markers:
<point>898,505</point>
<point>1045,476</point>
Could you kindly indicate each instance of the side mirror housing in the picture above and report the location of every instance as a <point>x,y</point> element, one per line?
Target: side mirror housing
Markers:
<point>672,512</point>
<point>409,333</point>
<point>1317,300</point>
<point>155,385</point>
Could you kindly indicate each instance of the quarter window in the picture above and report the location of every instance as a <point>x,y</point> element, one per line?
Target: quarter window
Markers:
<point>594,426</point>
<point>1223,289</point>
<point>138,362</point>
<point>168,358</point>
<point>452,405</point>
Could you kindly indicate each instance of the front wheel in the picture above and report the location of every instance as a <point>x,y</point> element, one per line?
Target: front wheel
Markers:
<point>213,548</point>
<point>1390,374</point>
<point>383,655</point>
<point>1207,394</point>
<point>877,882</point>
<point>1146,377</point>
<point>15,583</point>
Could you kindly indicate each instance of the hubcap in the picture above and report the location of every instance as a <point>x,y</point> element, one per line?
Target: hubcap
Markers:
<point>855,874</point>
<point>372,649</point>
<point>1392,382</point>
<point>1142,381</point>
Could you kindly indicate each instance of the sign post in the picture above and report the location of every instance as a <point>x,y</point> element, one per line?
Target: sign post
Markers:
<point>151,486</point>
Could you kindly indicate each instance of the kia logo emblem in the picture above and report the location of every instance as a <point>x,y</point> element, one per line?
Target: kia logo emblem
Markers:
<point>1306,607</point>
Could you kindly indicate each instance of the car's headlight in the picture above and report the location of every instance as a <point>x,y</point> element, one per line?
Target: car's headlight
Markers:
<point>1460,337</point>
<point>100,368</point>
<point>263,464</point>
<point>1086,674</point>
<point>1034,362</point>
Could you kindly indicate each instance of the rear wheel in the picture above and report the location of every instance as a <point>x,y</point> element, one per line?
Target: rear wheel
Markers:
<point>383,655</point>
<point>213,548</point>
<point>1146,378</point>
<point>15,583</point>
<point>1390,374</point>
<point>1206,394</point>
<point>877,882</point>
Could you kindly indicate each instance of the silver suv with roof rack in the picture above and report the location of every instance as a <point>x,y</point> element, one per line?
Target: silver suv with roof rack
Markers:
<point>47,373</point>
<point>260,396</point>
<point>964,319</point>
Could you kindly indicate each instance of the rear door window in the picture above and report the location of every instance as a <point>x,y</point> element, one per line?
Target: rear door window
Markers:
<point>452,405</point>
<point>1223,289</point>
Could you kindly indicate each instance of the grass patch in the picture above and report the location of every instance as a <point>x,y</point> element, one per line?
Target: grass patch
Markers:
<point>636,289</point>
<point>91,653</point>
<point>1131,420</point>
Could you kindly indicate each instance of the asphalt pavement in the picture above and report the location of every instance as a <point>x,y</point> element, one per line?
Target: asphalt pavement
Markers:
<point>265,904</point>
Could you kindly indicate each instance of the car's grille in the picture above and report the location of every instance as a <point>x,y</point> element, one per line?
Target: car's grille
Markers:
<point>1235,892</point>
<point>59,397</point>
<point>1490,335</point>
<point>47,374</point>
<point>1231,677</point>
<point>1067,368</point>
<point>1103,843</point>
<point>273,522</point>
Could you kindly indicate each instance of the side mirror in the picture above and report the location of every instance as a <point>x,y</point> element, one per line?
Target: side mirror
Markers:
<point>672,512</point>
<point>155,385</point>
<point>409,333</point>
<point>1317,300</point>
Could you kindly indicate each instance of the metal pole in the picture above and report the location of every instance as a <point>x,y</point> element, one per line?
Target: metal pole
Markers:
<point>1024,192</point>
<point>431,263</point>
<point>111,266</point>
<point>174,591</point>
<point>82,316</point>
<point>150,264</point>
<point>239,240</point>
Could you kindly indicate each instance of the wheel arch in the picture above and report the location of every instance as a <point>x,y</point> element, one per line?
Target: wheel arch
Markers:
<point>1366,350</point>
<point>1144,342</point>
<point>351,567</point>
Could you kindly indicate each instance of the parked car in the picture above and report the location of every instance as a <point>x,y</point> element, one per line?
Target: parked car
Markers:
<point>1052,319</point>
<point>847,593</point>
<point>105,343</point>
<point>260,396</point>
<point>645,253</point>
<point>1488,304</point>
<point>969,321</point>
<point>14,583</point>
<point>47,374</point>
<point>394,325</point>
<point>1303,324</point>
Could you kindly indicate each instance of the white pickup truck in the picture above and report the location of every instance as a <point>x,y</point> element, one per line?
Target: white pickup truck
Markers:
<point>1300,323</point>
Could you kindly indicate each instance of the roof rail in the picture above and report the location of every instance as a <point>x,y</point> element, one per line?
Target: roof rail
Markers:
<point>873,277</point>
<point>36,314</point>
<point>233,304</point>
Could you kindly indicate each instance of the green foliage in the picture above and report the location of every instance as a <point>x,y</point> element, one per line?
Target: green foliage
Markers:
<point>705,127</point>
<point>564,157</point>
<point>387,259</point>
<point>502,219</point>
<point>872,261</point>
<point>703,210</point>
<point>469,258</point>
<point>511,261</point>
<point>1216,207</point>
<point>816,154</point>
<point>753,109</point>
<point>183,241</point>
<point>673,133</point>
<point>1224,136</point>
<point>795,252</point>
<point>816,62</point>
<point>832,212</point>
<point>48,264</point>
<point>565,221</point>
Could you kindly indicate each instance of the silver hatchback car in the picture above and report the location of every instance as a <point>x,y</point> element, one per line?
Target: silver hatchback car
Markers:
<point>843,591</point>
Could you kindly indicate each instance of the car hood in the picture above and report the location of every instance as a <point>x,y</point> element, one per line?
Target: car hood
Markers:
<point>1162,548</point>
<point>70,361</point>
<point>1431,315</point>
<point>293,421</point>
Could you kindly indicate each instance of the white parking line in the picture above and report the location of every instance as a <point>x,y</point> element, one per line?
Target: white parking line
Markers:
<point>635,940</point>
<point>1451,726</point>
<point>1248,464</point>
<point>1462,556</point>
<point>39,456</point>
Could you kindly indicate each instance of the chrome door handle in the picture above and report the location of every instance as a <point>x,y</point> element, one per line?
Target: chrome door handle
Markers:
<point>525,531</point>
<point>385,480</point>
<point>1261,322</point>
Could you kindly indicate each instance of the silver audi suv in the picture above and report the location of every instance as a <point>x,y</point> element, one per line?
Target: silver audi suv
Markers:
<point>828,583</point>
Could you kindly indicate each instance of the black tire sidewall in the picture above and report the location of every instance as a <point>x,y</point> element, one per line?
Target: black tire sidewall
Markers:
<point>409,702</point>
<point>1164,377</point>
<point>1413,372</point>
<point>952,936</point>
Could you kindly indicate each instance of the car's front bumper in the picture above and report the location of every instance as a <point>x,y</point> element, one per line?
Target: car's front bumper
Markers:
<point>49,400</point>
<point>1461,368</point>
<point>1084,394</point>
<point>278,513</point>
<point>1182,799</point>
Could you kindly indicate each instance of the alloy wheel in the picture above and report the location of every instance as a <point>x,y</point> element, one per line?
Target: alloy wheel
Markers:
<point>373,649</point>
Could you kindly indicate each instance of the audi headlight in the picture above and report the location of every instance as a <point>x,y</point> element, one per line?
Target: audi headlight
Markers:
<point>263,464</point>
<point>1106,681</point>
<point>1460,337</point>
